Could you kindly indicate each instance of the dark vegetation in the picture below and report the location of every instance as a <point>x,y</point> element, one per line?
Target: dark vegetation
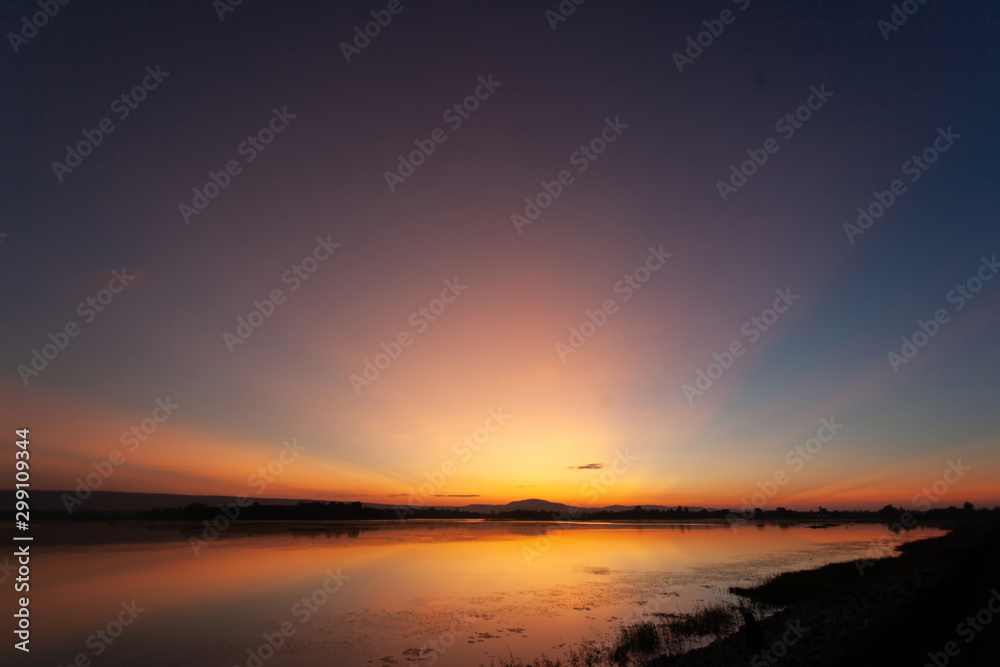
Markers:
<point>334,511</point>
<point>901,609</point>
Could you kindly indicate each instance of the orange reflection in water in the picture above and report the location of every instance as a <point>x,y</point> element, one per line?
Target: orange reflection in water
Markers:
<point>407,585</point>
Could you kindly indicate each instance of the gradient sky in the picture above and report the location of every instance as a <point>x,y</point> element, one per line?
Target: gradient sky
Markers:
<point>494,347</point>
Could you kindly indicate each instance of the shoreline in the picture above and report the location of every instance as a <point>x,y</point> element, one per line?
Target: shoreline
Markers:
<point>834,616</point>
<point>831,615</point>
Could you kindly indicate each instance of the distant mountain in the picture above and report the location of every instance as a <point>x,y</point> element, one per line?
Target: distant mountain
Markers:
<point>537,505</point>
<point>531,505</point>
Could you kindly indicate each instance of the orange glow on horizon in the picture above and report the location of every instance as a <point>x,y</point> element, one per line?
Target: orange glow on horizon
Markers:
<point>523,458</point>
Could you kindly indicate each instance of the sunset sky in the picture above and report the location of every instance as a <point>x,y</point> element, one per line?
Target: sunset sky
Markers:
<point>499,348</point>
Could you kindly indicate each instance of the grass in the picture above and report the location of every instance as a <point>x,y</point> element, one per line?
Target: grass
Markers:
<point>794,587</point>
<point>636,642</point>
<point>791,588</point>
<point>707,622</point>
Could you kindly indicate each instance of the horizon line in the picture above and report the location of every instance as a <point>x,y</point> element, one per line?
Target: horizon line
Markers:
<point>820,507</point>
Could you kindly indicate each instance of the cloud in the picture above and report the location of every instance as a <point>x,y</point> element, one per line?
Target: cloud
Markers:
<point>589,466</point>
<point>456,495</point>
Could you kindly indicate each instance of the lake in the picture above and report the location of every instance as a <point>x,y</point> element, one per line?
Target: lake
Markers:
<point>379,593</point>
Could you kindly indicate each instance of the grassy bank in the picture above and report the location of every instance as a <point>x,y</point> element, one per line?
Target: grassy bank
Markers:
<point>636,643</point>
<point>800,586</point>
<point>835,600</point>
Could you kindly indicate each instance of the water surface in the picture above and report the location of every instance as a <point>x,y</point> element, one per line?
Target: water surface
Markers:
<point>453,592</point>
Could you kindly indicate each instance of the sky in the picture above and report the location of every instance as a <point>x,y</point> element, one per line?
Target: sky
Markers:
<point>493,252</point>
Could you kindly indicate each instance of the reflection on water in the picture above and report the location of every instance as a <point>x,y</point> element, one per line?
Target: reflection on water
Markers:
<point>380,593</point>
